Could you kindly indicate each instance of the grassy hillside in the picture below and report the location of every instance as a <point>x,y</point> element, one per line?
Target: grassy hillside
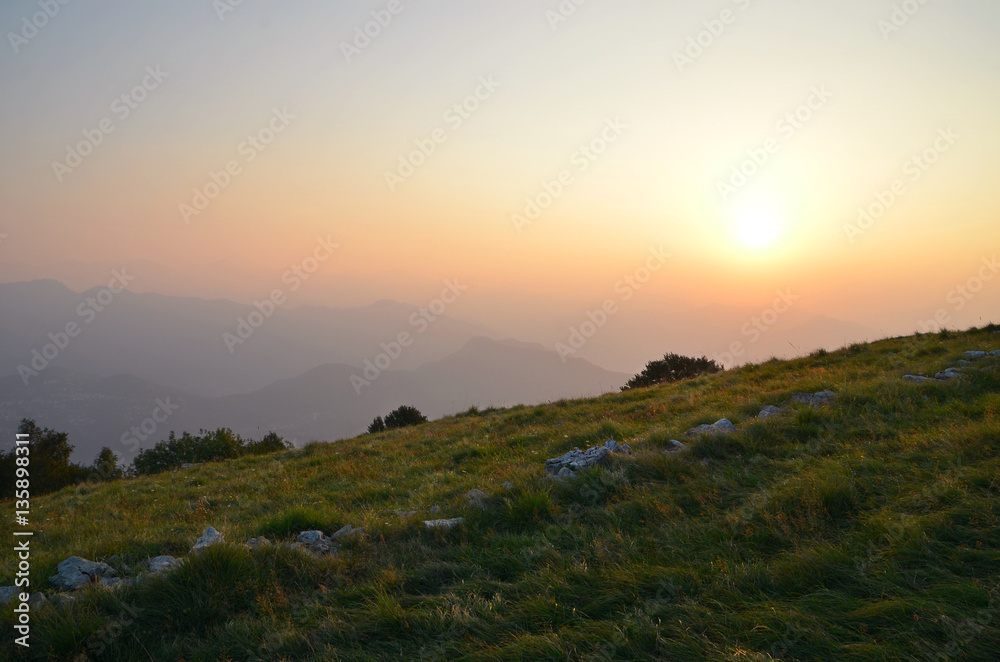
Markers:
<point>868,529</point>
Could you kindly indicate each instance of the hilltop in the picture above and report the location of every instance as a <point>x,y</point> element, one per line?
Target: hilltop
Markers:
<point>865,526</point>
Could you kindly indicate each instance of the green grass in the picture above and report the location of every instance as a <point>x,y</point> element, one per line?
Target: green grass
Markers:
<point>865,530</point>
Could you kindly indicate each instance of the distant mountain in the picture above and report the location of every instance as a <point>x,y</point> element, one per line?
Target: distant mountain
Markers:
<point>180,343</point>
<point>319,404</point>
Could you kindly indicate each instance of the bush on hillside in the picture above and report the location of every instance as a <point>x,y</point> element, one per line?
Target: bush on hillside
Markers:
<point>672,368</point>
<point>403,417</point>
<point>222,444</point>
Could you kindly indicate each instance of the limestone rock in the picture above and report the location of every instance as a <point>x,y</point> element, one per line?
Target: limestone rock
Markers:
<point>346,531</point>
<point>769,411</point>
<point>723,426</point>
<point>675,447</point>
<point>209,538</point>
<point>257,543</point>
<point>477,498</point>
<point>950,373</point>
<point>919,379</point>
<point>444,523</point>
<point>75,573</point>
<point>164,563</point>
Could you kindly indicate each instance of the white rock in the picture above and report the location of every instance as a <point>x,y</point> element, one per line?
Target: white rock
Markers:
<point>950,373</point>
<point>75,573</point>
<point>675,447</point>
<point>209,538</point>
<point>723,426</point>
<point>257,543</point>
<point>919,379</point>
<point>164,563</point>
<point>347,530</point>
<point>973,355</point>
<point>8,594</point>
<point>444,523</point>
<point>769,411</point>
<point>477,498</point>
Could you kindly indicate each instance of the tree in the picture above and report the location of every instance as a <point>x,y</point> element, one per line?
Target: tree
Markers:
<point>105,466</point>
<point>404,417</point>
<point>49,465</point>
<point>672,368</point>
<point>378,425</point>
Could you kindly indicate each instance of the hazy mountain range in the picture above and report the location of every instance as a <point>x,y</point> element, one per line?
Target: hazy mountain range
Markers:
<point>100,364</point>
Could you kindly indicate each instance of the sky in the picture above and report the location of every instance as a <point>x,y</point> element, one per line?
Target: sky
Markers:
<point>536,150</point>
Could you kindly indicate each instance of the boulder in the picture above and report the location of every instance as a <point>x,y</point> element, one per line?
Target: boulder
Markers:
<point>315,542</point>
<point>995,352</point>
<point>675,447</point>
<point>814,399</point>
<point>919,379</point>
<point>723,426</point>
<point>257,543</point>
<point>209,538</point>
<point>769,411</point>
<point>8,594</point>
<point>165,563</point>
<point>75,573</point>
<point>38,599</point>
<point>477,498</point>
<point>444,523</point>
<point>973,355</point>
<point>950,373</point>
<point>346,531</point>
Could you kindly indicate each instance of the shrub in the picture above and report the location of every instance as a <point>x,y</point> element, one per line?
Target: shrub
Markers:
<point>672,368</point>
<point>222,444</point>
<point>402,417</point>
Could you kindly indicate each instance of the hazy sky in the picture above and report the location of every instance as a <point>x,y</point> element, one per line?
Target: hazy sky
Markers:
<point>609,76</point>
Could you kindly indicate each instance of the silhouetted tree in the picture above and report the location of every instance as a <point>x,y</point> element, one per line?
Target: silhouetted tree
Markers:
<point>672,368</point>
<point>404,417</point>
<point>378,425</point>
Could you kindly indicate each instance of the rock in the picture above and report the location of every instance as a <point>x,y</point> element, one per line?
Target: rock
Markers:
<point>8,594</point>
<point>508,485</point>
<point>723,426</point>
<point>435,510</point>
<point>257,543</point>
<point>109,582</point>
<point>769,411</point>
<point>477,498</point>
<point>614,447</point>
<point>188,465</point>
<point>995,352</point>
<point>315,542</point>
<point>566,474</point>
<point>577,460</point>
<point>348,530</point>
<point>444,523</point>
<point>165,563</point>
<point>404,513</point>
<point>950,373</point>
<point>973,355</point>
<point>919,379</point>
<point>675,447</point>
<point>814,399</point>
<point>38,600</point>
<point>209,538</point>
<point>75,573</point>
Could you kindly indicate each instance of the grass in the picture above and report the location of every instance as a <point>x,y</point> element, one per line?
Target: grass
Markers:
<point>868,530</point>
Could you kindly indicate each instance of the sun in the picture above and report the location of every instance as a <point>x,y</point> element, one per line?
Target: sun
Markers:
<point>758,228</point>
